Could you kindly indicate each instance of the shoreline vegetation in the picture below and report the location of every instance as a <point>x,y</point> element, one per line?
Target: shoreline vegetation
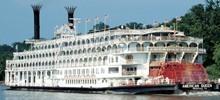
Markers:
<point>202,21</point>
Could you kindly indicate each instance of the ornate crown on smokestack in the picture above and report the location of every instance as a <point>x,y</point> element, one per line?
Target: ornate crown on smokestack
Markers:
<point>36,10</point>
<point>71,11</point>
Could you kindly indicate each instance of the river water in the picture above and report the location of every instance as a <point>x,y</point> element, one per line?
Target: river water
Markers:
<point>34,95</point>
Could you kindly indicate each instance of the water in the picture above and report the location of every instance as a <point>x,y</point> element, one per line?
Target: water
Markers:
<point>33,95</point>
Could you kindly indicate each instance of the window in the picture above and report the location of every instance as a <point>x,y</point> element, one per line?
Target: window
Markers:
<point>129,59</point>
<point>116,59</point>
<point>102,70</point>
<point>113,70</point>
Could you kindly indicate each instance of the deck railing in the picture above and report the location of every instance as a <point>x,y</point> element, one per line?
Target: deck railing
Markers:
<point>160,49</point>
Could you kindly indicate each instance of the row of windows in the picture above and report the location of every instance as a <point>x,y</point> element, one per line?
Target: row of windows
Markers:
<point>82,71</point>
<point>78,42</point>
<point>80,81</point>
<point>102,39</point>
<point>131,46</point>
<point>98,60</point>
<point>37,56</point>
<point>96,40</point>
<point>66,73</point>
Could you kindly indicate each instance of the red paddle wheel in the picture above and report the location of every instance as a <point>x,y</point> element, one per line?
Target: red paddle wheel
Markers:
<point>183,72</point>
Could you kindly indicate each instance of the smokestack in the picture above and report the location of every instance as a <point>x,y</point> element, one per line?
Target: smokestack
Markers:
<point>71,11</point>
<point>36,9</point>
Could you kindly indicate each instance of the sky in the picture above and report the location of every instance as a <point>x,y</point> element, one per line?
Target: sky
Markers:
<point>16,17</point>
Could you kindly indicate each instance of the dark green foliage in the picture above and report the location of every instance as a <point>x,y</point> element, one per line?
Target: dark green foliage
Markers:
<point>21,46</point>
<point>148,26</point>
<point>131,25</point>
<point>101,26</point>
<point>6,48</point>
<point>204,21</point>
<point>134,25</point>
<point>214,69</point>
<point>5,53</point>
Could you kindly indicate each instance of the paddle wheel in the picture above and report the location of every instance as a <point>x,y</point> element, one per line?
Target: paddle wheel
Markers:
<point>182,72</point>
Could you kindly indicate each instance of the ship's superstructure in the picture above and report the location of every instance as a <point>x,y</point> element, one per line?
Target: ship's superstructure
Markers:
<point>109,58</point>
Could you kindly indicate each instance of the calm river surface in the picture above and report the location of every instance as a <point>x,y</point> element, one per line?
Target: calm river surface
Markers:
<point>30,95</point>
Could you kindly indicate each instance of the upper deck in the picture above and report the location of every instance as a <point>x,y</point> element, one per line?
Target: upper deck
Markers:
<point>102,45</point>
<point>156,37</point>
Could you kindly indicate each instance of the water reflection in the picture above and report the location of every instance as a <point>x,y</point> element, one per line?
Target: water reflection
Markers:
<point>34,95</point>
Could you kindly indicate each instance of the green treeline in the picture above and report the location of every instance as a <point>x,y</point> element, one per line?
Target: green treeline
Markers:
<point>202,20</point>
<point>6,52</point>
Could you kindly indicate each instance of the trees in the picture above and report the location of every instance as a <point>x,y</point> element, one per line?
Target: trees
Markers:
<point>131,25</point>
<point>204,21</point>
<point>214,69</point>
<point>134,25</point>
<point>5,53</point>
<point>21,46</point>
<point>101,26</point>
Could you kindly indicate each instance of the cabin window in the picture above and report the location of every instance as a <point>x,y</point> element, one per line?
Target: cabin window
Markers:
<point>116,59</point>
<point>113,70</point>
<point>129,58</point>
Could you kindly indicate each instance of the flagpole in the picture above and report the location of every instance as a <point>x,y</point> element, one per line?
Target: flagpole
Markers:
<point>96,20</point>
<point>94,30</point>
<point>105,23</point>
<point>86,24</point>
<point>165,23</point>
<point>105,18</point>
<point>176,28</point>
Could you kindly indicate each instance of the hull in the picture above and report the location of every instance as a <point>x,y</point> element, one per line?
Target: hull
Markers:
<point>199,87</point>
<point>144,89</point>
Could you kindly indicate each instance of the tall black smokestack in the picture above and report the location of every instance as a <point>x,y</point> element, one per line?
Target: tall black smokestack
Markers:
<point>36,10</point>
<point>71,11</point>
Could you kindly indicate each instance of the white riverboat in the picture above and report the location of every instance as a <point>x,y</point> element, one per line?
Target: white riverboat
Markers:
<point>104,59</point>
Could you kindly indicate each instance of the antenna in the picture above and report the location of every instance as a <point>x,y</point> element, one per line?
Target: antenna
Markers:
<point>86,24</point>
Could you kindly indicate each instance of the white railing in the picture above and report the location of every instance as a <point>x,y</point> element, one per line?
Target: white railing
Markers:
<point>159,49</point>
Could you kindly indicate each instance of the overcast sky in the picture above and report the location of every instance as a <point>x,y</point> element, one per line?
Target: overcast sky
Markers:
<point>16,17</point>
